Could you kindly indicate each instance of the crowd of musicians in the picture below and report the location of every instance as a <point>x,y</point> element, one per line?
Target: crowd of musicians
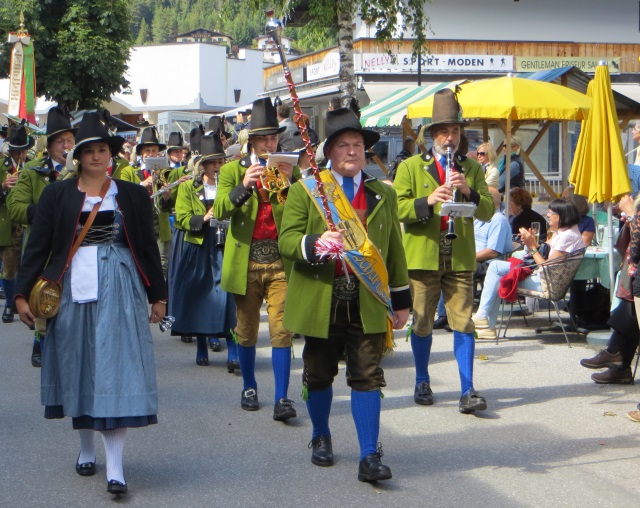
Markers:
<point>207,239</point>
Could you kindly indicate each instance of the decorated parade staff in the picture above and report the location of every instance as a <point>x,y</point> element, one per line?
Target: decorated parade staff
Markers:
<point>39,173</point>
<point>436,262</point>
<point>178,232</point>
<point>94,236</point>
<point>252,267</point>
<point>200,307</point>
<point>139,173</point>
<point>18,143</point>
<point>345,308</point>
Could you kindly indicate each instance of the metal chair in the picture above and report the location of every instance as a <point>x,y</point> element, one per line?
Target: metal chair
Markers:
<point>556,277</point>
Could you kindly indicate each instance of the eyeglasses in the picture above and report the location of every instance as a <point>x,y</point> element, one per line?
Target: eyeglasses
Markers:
<point>551,212</point>
<point>481,153</point>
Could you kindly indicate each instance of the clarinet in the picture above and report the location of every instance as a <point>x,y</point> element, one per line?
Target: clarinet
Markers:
<point>451,230</point>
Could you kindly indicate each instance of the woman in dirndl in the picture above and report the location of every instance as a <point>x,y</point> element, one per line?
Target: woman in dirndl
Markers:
<point>97,366</point>
<point>200,307</point>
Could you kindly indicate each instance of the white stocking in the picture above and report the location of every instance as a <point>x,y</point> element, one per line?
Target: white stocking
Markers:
<point>87,446</point>
<point>113,447</point>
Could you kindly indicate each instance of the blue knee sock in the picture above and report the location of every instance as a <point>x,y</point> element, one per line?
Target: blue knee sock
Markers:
<point>319,407</point>
<point>365,409</point>
<point>9,291</point>
<point>281,361</point>
<point>421,347</point>
<point>202,352</point>
<point>464,346</point>
<point>247,358</point>
<point>232,349</point>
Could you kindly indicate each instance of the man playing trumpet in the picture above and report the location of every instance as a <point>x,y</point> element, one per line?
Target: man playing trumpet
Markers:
<point>437,264</point>
<point>252,267</point>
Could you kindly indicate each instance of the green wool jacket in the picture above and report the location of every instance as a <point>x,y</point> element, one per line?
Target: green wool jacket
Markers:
<point>240,205</point>
<point>5,222</point>
<point>190,211</point>
<point>416,178</point>
<point>308,304</point>
<point>134,175</point>
<point>23,198</point>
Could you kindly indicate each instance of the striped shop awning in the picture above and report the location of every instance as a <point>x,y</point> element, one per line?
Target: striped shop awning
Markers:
<point>390,110</point>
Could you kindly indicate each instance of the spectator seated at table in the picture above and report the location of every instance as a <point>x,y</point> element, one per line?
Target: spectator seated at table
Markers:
<point>623,342</point>
<point>521,215</point>
<point>563,217</point>
<point>587,225</point>
<point>493,239</point>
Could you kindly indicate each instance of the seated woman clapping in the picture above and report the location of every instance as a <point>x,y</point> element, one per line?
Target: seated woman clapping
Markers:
<point>563,217</point>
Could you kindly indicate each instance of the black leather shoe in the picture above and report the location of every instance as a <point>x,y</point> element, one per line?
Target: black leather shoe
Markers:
<point>86,468</point>
<point>371,469</point>
<point>440,323</point>
<point>186,339</point>
<point>283,410</point>
<point>7,315</point>
<point>36,355</point>
<point>322,451</point>
<point>249,400</point>
<point>232,366</point>
<point>215,346</point>
<point>117,488</point>
<point>472,402</point>
<point>203,362</point>
<point>422,394</point>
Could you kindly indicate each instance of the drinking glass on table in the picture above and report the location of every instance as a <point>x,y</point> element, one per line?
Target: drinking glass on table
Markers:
<point>601,230</point>
<point>535,228</point>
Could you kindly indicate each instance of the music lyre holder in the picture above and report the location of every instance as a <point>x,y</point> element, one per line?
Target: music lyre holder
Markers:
<point>457,209</point>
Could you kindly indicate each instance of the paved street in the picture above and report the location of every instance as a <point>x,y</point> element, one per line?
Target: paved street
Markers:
<point>551,437</point>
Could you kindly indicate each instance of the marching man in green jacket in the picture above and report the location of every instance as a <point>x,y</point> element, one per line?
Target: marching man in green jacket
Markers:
<point>338,307</point>
<point>252,268</point>
<point>437,264</point>
<point>34,177</point>
<point>11,232</point>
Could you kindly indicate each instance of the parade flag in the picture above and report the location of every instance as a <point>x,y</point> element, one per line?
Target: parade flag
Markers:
<point>22,76</point>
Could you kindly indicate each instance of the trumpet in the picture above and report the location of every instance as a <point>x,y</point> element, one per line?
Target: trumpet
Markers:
<point>275,182</point>
<point>451,227</point>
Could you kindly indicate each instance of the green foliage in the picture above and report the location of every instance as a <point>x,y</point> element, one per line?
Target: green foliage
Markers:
<point>81,48</point>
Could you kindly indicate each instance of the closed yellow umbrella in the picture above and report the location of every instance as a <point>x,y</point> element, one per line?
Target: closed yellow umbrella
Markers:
<point>599,169</point>
<point>513,98</point>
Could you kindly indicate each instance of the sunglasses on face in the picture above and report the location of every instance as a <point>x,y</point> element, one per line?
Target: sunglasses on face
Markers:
<point>481,153</point>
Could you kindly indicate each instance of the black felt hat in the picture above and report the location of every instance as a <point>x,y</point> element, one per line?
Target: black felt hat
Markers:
<point>343,120</point>
<point>176,142</point>
<point>92,130</point>
<point>149,137</point>
<point>446,109</point>
<point>216,123</point>
<point>210,149</point>
<point>264,120</point>
<point>195,137</point>
<point>58,121</point>
<point>18,138</point>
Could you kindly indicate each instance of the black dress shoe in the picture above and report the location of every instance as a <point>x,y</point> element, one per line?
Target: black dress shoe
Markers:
<point>115,487</point>
<point>203,362</point>
<point>422,394</point>
<point>86,468</point>
<point>186,339</point>
<point>232,366</point>
<point>322,451</point>
<point>371,469</point>
<point>249,400</point>
<point>7,315</point>
<point>36,355</point>
<point>283,410</point>
<point>440,323</point>
<point>215,346</point>
<point>472,402</point>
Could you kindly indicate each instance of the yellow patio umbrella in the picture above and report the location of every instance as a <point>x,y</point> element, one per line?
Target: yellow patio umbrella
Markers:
<point>599,170</point>
<point>513,98</point>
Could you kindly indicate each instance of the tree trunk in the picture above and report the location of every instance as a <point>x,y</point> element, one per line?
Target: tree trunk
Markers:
<point>345,12</point>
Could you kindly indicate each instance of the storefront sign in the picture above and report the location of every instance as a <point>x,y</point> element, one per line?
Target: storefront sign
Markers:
<point>277,80</point>
<point>330,66</point>
<point>585,64</point>
<point>377,62</point>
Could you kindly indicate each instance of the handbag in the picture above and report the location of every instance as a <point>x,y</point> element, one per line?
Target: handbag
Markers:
<point>624,291</point>
<point>624,238</point>
<point>45,296</point>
